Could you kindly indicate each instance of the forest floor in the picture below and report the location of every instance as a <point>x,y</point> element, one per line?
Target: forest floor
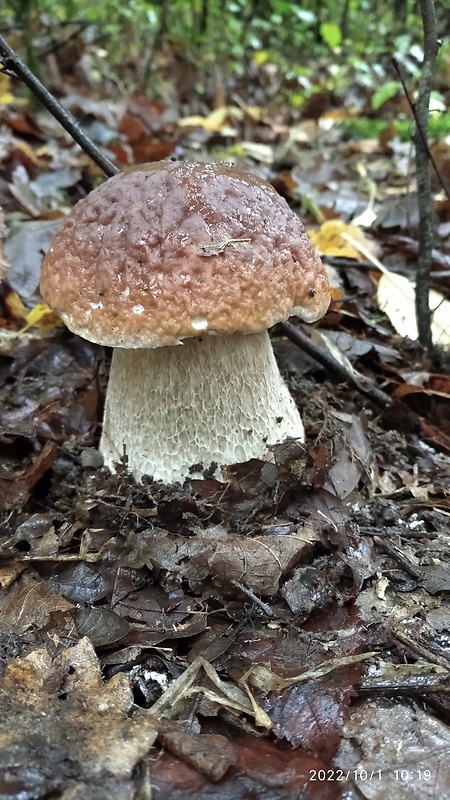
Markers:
<point>283,634</point>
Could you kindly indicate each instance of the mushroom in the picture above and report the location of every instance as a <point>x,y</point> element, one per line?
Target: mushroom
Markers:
<point>182,268</point>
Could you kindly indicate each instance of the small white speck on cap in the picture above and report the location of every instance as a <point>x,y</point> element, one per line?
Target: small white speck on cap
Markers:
<point>96,305</point>
<point>199,323</point>
<point>123,295</point>
<point>138,309</point>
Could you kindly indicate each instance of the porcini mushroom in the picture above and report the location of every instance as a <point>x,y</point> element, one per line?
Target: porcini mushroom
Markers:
<point>182,268</point>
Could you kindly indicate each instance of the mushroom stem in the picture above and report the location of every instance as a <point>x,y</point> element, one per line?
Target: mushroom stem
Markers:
<point>213,399</point>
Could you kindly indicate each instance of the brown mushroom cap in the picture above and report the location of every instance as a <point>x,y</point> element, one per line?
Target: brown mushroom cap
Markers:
<point>172,249</point>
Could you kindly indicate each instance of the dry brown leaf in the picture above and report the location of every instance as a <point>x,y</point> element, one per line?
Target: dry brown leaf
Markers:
<point>28,605</point>
<point>258,562</point>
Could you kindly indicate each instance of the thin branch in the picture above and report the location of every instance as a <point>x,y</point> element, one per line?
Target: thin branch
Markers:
<point>245,590</point>
<point>418,125</point>
<point>424,193</point>
<point>14,65</point>
<point>58,45</point>
<point>332,366</point>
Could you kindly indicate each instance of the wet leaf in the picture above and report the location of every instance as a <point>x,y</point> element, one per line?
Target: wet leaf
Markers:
<point>263,770</point>
<point>101,625</point>
<point>24,249</point>
<point>29,604</point>
<point>16,487</point>
<point>259,563</point>
<point>58,711</point>
<point>393,740</point>
<point>80,583</point>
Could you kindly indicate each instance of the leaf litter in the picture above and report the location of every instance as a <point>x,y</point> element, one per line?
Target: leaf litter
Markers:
<point>236,638</point>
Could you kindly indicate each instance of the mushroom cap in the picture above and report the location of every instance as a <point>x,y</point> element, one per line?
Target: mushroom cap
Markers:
<point>172,250</point>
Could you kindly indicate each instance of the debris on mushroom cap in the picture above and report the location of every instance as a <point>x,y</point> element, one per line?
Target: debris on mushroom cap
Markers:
<point>173,249</point>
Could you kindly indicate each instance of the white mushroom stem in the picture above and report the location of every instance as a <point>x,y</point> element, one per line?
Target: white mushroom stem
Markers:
<point>214,399</point>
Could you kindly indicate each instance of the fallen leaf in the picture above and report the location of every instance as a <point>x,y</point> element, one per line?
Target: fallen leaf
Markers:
<point>42,316</point>
<point>7,98</point>
<point>214,122</point>
<point>330,241</point>
<point>258,562</point>
<point>80,583</point>
<point>263,770</point>
<point>24,247</point>
<point>63,726</point>
<point>101,625</point>
<point>396,297</point>
<point>16,487</point>
<point>395,750</point>
<point>224,694</point>
<point>28,605</point>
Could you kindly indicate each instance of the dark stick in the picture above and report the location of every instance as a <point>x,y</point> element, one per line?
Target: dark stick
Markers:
<point>421,683</point>
<point>299,338</point>
<point>13,64</point>
<point>424,194</point>
<point>245,590</point>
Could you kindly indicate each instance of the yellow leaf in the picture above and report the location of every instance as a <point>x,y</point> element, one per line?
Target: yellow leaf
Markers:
<point>214,122</point>
<point>261,57</point>
<point>6,96</point>
<point>330,241</point>
<point>7,99</point>
<point>43,316</point>
<point>33,155</point>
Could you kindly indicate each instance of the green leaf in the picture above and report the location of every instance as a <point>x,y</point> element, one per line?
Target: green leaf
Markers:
<point>331,34</point>
<point>385,92</point>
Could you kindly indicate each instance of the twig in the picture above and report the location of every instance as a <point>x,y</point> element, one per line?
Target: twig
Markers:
<point>424,194</point>
<point>419,649</point>
<point>12,64</point>
<point>245,590</point>
<point>58,45</point>
<point>299,338</point>
<point>422,682</point>
<point>419,129</point>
